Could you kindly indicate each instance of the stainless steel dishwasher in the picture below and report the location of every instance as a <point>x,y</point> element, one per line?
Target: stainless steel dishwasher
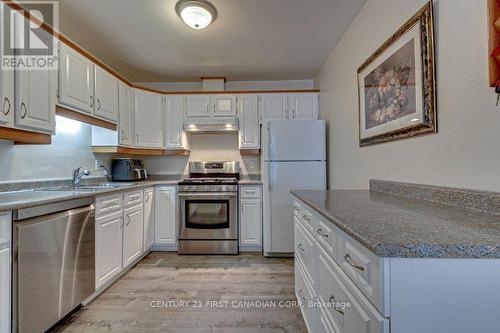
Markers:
<point>53,262</point>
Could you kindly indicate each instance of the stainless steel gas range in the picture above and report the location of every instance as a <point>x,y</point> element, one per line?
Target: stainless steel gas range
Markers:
<point>208,201</point>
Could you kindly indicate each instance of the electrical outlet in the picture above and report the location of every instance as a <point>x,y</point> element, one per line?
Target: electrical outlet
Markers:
<point>97,165</point>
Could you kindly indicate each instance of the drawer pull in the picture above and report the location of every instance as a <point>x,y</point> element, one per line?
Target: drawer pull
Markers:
<point>305,217</point>
<point>300,295</point>
<point>348,260</point>
<point>300,247</point>
<point>297,209</point>
<point>332,300</point>
<point>321,233</point>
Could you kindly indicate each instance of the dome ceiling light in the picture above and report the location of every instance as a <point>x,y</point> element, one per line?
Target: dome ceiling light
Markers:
<point>197,14</point>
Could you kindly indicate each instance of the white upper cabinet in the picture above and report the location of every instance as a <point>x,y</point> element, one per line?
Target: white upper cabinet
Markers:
<point>274,106</point>
<point>198,106</point>
<point>300,106</point>
<point>126,115</point>
<point>36,100</point>
<point>223,105</point>
<point>106,95</point>
<point>148,119</point>
<point>248,112</point>
<point>303,106</point>
<point>6,97</point>
<point>6,90</point>
<point>35,93</point>
<point>76,80</point>
<point>175,137</point>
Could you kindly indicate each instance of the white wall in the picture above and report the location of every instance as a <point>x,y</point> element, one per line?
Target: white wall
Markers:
<point>205,147</point>
<point>231,85</point>
<point>70,148</point>
<point>466,151</point>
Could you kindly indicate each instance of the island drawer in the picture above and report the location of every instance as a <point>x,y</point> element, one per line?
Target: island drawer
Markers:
<point>305,295</point>
<point>304,249</point>
<point>326,233</point>
<point>305,216</point>
<point>363,268</point>
<point>347,308</point>
<point>109,203</point>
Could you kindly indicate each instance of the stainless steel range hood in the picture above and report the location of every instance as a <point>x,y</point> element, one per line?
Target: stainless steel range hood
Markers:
<point>212,124</point>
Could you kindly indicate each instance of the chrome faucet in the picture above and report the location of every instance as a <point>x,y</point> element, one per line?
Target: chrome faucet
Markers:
<point>77,175</point>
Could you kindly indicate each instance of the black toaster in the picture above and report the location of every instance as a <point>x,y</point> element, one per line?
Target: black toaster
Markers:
<point>127,169</point>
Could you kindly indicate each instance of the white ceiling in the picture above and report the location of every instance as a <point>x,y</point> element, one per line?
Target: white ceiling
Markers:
<point>250,40</point>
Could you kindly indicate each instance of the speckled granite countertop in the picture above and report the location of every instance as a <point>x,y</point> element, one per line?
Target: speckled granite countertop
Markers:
<point>397,226</point>
<point>31,197</point>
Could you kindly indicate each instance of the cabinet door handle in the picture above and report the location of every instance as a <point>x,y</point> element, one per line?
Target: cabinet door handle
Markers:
<point>215,111</point>
<point>321,233</point>
<point>332,300</point>
<point>128,220</point>
<point>300,247</point>
<point>307,218</point>
<point>99,102</point>
<point>242,139</point>
<point>23,115</point>
<point>92,102</point>
<point>121,219</point>
<point>348,260</point>
<point>6,102</point>
<point>293,114</point>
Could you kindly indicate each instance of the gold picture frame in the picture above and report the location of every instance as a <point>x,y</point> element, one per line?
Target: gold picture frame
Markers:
<point>397,85</point>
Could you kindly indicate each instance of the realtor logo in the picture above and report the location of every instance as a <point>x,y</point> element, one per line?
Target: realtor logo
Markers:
<point>26,41</point>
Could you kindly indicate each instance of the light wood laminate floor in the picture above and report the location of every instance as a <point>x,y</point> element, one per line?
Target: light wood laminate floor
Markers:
<point>134,303</point>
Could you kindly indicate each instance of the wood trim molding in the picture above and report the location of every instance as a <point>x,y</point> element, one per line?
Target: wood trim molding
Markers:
<point>62,111</point>
<point>213,78</point>
<point>138,151</point>
<point>249,152</point>
<point>21,137</point>
<point>95,60</point>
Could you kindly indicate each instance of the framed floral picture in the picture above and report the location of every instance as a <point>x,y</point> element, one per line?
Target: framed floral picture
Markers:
<point>396,85</point>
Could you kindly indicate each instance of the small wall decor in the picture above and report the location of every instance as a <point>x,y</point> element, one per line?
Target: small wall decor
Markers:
<point>494,40</point>
<point>396,85</point>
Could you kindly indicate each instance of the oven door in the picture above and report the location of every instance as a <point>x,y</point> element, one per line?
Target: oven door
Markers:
<point>208,216</point>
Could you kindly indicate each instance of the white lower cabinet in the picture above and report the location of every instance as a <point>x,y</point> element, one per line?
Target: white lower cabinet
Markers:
<point>165,218</point>
<point>5,289</point>
<point>341,304</point>
<point>5,271</point>
<point>132,234</point>
<point>149,218</point>
<point>250,219</point>
<point>109,244</point>
<point>119,234</point>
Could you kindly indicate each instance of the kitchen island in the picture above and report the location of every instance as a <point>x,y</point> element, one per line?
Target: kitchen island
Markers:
<point>403,264</point>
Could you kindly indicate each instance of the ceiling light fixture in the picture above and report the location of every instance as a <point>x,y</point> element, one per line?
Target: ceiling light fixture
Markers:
<point>197,14</point>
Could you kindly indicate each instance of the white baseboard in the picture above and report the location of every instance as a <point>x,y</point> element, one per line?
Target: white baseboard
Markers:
<point>164,248</point>
<point>250,248</point>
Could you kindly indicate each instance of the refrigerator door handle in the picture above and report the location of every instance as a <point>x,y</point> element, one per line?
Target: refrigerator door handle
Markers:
<point>269,178</point>
<point>268,153</point>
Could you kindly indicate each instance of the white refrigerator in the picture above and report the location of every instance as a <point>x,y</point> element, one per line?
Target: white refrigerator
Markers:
<point>294,158</point>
